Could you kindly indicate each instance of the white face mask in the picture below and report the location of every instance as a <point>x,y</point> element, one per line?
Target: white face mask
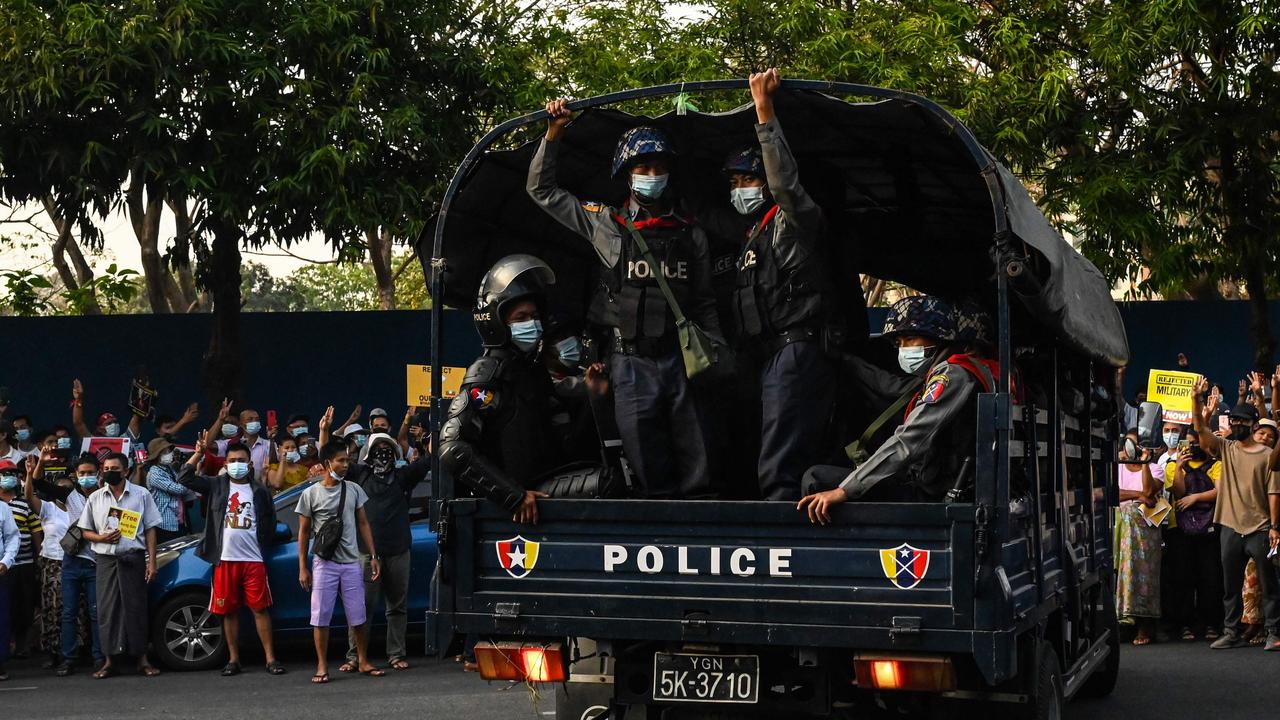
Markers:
<point>911,359</point>
<point>747,200</point>
<point>649,187</point>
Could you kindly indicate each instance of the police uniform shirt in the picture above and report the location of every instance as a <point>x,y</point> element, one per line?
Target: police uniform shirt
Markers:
<point>944,398</point>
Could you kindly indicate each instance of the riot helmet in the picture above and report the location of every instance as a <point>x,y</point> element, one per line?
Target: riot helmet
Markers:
<point>974,326</point>
<point>638,143</point>
<point>512,278</point>
<point>921,315</point>
<point>747,160</point>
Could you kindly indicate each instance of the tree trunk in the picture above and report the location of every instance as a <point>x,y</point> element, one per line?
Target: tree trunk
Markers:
<point>182,254</point>
<point>380,256</point>
<point>66,246</point>
<point>223,361</point>
<point>144,215</point>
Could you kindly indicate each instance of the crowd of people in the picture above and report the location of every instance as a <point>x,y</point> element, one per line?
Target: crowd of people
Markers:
<point>1203,568</point>
<point>83,510</point>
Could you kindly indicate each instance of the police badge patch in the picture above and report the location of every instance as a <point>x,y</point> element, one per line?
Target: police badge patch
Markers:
<point>593,207</point>
<point>481,398</point>
<point>934,388</point>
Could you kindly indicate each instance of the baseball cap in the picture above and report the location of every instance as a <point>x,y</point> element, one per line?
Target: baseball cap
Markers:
<point>105,418</point>
<point>1268,422</point>
<point>354,429</point>
<point>7,464</point>
<point>377,412</point>
<point>1245,411</point>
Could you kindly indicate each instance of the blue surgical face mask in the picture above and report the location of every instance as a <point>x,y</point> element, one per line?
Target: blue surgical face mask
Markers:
<point>9,482</point>
<point>292,456</point>
<point>361,440</point>
<point>526,334</point>
<point>301,430</point>
<point>402,463</point>
<point>649,187</point>
<point>237,470</point>
<point>1171,440</point>
<point>88,482</point>
<point>166,458</point>
<point>64,443</point>
<point>334,475</point>
<point>253,428</point>
<point>747,200</point>
<point>112,429</point>
<point>229,430</point>
<point>570,350</point>
<point>911,359</point>
<point>23,434</point>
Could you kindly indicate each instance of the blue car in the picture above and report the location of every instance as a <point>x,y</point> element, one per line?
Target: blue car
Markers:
<point>186,636</point>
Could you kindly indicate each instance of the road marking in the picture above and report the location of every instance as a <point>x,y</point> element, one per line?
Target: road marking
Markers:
<point>15,689</point>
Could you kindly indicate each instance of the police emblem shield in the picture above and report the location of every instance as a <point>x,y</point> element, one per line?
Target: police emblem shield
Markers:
<point>905,566</point>
<point>517,556</point>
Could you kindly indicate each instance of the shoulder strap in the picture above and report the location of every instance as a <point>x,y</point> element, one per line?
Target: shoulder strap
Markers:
<point>342,503</point>
<point>854,450</point>
<point>759,228</point>
<point>658,271</point>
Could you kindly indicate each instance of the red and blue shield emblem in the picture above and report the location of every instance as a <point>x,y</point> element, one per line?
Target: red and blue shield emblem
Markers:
<point>517,556</point>
<point>905,566</point>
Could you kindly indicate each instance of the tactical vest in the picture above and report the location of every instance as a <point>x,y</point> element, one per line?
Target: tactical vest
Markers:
<point>770,299</point>
<point>519,435</point>
<point>936,470</point>
<point>641,309</point>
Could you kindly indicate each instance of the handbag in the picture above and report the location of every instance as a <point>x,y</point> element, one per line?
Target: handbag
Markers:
<point>73,541</point>
<point>701,352</point>
<point>329,537</point>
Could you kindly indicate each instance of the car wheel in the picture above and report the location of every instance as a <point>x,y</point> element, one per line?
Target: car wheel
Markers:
<point>186,636</point>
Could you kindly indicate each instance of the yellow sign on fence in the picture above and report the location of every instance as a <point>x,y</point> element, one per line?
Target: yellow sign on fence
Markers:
<point>1173,390</point>
<point>418,383</point>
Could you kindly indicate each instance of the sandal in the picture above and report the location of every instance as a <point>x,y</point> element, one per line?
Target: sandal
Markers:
<point>1142,640</point>
<point>400,664</point>
<point>470,666</point>
<point>275,668</point>
<point>1211,635</point>
<point>347,667</point>
<point>374,672</point>
<point>4,675</point>
<point>150,670</point>
<point>1187,635</point>
<point>232,668</point>
<point>320,678</point>
<point>104,672</point>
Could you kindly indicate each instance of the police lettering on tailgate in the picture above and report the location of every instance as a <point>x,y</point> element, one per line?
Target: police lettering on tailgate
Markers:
<point>684,560</point>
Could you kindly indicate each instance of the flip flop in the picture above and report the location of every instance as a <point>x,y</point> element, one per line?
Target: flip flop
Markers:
<point>374,672</point>
<point>1188,635</point>
<point>400,664</point>
<point>149,670</point>
<point>232,668</point>
<point>347,667</point>
<point>1141,641</point>
<point>105,672</point>
<point>320,678</point>
<point>275,668</point>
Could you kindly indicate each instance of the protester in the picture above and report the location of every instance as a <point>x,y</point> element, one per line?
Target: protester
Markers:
<point>1138,548</point>
<point>288,470</point>
<point>24,582</point>
<point>248,432</point>
<point>335,500</point>
<point>169,495</point>
<point>1195,488</point>
<point>388,481</point>
<point>106,426</point>
<point>298,425</point>
<point>9,543</point>
<point>168,427</point>
<point>124,565</point>
<point>1246,510</point>
<point>54,521</point>
<point>24,437</point>
<point>241,507</point>
<point>7,449</point>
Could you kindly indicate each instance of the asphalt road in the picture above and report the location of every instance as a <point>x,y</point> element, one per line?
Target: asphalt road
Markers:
<point>1168,682</point>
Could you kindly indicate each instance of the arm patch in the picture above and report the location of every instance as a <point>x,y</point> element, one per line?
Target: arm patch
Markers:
<point>934,388</point>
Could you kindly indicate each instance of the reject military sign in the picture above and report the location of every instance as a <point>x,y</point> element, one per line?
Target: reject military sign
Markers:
<point>1173,390</point>
<point>418,383</point>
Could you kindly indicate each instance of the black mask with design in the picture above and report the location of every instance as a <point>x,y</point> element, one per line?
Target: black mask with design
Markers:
<point>382,458</point>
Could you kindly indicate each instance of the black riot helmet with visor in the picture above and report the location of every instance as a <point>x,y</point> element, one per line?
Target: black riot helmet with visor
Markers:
<point>514,277</point>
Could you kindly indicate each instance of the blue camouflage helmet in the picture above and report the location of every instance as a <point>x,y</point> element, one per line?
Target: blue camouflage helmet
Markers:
<point>923,315</point>
<point>973,324</point>
<point>637,143</point>
<point>748,160</point>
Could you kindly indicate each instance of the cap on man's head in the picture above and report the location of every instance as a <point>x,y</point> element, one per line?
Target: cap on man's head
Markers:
<point>354,429</point>
<point>105,419</point>
<point>298,417</point>
<point>1268,422</point>
<point>1245,411</point>
<point>7,464</point>
<point>156,447</point>
<point>377,412</point>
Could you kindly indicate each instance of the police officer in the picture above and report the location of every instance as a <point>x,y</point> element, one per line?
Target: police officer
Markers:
<point>946,349</point>
<point>778,300</point>
<point>499,437</point>
<point>654,403</point>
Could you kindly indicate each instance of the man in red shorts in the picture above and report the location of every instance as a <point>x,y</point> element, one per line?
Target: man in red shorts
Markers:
<point>240,524</point>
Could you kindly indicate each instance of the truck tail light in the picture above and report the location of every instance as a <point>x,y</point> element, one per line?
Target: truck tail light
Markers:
<point>543,663</point>
<point>921,673</point>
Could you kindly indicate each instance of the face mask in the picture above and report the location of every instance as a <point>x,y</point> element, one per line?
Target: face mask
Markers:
<point>361,440</point>
<point>1170,440</point>
<point>237,470</point>
<point>402,463</point>
<point>229,430</point>
<point>112,429</point>
<point>292,456</point>
<point>526,334</point>
<point>570,350</point>
<point>334,475</point>
<point>747,200</point>
<point>253,428</point>
<point>88,482</point>
<point>911,359</point>
<point>649,187</point>
<point>166,458</point>
<point>1241,432</point>
<point>64,443</point>
<point>9,482</point>
<point>304,450</point>
<point>23,435</point>
<point>113,477</point>
<point>303,430</point>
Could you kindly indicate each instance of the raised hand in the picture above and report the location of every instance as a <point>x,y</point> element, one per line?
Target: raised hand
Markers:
<point>558,116</point>
<point>1201,386</point>
<point>191,413</point>
<point>1255,382</point>
<point>326,419</point>
<point>77,390</point>
<point>764,83</point>
<point>202,442</point>
<point>225,412</point>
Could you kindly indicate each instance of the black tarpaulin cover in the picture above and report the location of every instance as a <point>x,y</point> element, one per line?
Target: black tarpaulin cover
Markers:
<point>904,194</point>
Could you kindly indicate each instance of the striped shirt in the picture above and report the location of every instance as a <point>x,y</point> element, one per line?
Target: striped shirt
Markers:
<point>28,522</point>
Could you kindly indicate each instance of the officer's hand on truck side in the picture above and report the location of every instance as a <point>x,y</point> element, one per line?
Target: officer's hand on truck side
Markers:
<point>819,505</point>
<point>558,116</point>
<point>528,510</point>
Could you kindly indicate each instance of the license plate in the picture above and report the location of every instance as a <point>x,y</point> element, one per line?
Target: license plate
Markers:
<point>681,677</point>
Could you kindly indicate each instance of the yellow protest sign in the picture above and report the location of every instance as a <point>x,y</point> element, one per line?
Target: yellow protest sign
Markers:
<point>1173,390</point>
<point>418,383</point>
